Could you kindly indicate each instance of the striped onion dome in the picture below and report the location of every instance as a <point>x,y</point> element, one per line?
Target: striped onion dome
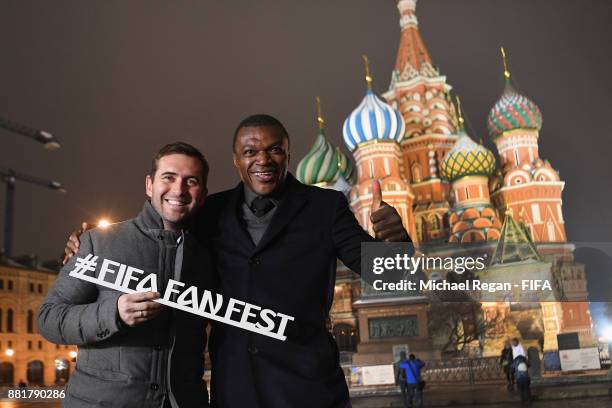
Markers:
<point>324,164</point>
<point>513,111</point>
<point>467,158</point>
<point>372,120</point>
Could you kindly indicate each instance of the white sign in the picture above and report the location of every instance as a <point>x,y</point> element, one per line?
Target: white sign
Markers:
<point>237,313</point>
<point>580,359</point>
<point>378,375</point>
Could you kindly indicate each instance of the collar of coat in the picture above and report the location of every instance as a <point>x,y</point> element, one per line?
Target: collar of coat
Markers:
<point>291,202</point>
<point>151,222</point>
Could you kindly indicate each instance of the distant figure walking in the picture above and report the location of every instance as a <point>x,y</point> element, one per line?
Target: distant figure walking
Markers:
<point>413,393</point>
<point>517,349</point>
<point>505,361</point>
<point>523,381</point>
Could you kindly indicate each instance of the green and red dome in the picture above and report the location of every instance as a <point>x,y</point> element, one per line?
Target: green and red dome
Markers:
<point>513,111</point>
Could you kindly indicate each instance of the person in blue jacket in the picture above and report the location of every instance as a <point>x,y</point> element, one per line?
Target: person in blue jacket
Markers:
<point>414,385</point>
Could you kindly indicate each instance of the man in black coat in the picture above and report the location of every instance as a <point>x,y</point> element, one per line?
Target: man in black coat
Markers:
<point>276,242</point>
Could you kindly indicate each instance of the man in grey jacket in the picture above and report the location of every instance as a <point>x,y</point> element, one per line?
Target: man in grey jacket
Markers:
<point>133,352</point>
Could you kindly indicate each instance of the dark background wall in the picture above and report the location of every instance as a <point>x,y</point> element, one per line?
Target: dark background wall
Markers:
<point>115,80</point>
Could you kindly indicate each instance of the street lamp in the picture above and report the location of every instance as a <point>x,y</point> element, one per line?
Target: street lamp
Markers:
<point>10,177</point>
<point>9,352</point>
<point>104,223</point>
<point>41,136</point>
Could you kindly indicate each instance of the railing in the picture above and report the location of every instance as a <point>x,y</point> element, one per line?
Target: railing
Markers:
<point>460,370</point>
<point>465,370</point>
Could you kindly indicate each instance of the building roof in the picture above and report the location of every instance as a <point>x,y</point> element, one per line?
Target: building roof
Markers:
<point>513,110</point>
<point>467,158</point>
<point>515,244</point>
<point>323,163</point>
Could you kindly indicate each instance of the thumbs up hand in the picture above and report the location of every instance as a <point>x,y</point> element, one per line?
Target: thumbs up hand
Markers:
<point>386,221</point>
<point>377,200</point>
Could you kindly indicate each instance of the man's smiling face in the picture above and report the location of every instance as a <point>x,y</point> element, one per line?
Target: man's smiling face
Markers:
<point>177,188</point>
<point>261,155</point>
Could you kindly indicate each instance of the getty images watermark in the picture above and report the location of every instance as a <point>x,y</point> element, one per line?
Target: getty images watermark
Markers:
<point>118,276</point>
<point>397,270</point>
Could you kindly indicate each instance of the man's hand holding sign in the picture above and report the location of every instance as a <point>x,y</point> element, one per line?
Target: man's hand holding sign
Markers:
<point>133,308</point>
<point>137,308</point>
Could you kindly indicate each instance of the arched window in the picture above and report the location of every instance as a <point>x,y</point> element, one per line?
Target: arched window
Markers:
<point>62,371</point>
<point>30,327</point>
<point>416,173</point>
<point>35,373</point>
<point>434,223</point>
<point>1,321</point>
<point>9,321</point>
<point>346,337</point>
<point>7,376</point>
<point>424,228</point>
<point>517,158</point>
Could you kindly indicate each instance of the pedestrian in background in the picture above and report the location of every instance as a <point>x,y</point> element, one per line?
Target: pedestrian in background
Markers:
<point>414,384</point>
<point>505,361</point>
<point>400,378</point>
<point>523,381</point>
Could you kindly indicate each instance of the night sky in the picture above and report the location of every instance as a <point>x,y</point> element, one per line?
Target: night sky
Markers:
<point>116,80</point>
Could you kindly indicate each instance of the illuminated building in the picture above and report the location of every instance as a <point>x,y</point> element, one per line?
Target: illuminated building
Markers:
<point>24,354</point>
<point>454,197</point>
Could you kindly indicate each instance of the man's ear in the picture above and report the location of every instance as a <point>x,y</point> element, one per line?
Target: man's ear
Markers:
<point>149,186</point>
<point>235,159</point>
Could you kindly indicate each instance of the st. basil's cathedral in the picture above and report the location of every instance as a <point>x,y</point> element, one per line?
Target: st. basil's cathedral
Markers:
<point>454,197</point>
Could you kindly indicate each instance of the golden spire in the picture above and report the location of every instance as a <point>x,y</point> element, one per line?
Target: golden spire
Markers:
<point>341,165</point>
<point>367,70</point>
<point>460,113</point>
<point>505,59</point>
<point>320,119</point>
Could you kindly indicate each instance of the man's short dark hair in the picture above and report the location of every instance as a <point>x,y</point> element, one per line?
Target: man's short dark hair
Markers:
<point>412,356</point>
<point>181,148</point>
<point>260,120</point>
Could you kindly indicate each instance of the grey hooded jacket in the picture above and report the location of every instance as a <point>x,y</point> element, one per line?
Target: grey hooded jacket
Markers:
<point>140,366</point>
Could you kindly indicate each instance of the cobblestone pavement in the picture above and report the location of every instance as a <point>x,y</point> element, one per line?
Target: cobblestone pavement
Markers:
<point>391,402</point>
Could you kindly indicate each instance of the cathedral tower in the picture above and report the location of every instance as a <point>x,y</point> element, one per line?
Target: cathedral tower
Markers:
<point>421,94</point>
<point>468,166</point>
<point>372,132</point>
<point>526,183</point>
<point>324,165</point>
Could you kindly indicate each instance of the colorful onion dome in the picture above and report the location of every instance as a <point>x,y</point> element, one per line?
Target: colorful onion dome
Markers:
<point>345,165</point>
<point>324,164</point>
<point>513,110</point>
<point>372,120</point>
<point>467,158</point>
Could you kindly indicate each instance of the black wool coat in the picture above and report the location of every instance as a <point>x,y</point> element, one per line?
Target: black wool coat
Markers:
<point>292,271</point>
